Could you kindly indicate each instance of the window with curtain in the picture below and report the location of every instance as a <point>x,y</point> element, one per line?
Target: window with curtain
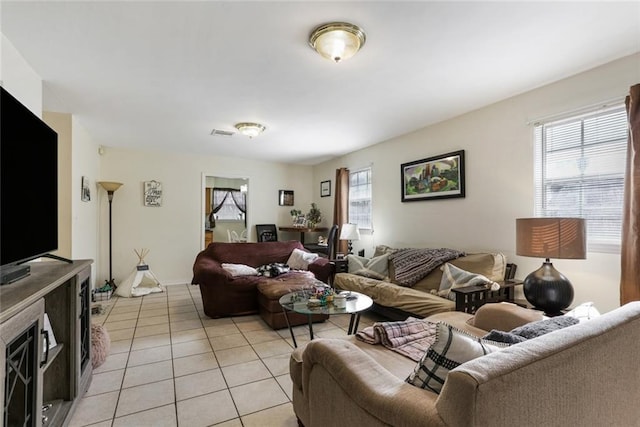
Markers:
<point>228,204</point>
<point>579,172</point>
<point>360,198</point>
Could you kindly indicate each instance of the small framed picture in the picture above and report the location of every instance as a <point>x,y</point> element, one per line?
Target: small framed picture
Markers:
<point>285,197</point>
<point>300,221</point>
<point>85,190</point>
<point>325,188</point>
<point>152,193</point>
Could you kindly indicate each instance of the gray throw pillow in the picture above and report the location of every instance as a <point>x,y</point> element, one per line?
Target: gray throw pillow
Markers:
<point>541,327</point>
<point>505,337</point>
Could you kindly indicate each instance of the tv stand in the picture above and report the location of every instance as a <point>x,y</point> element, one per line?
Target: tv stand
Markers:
<point>33,377</point>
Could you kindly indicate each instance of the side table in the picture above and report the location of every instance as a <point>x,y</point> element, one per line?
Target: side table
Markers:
<point>470,298</point>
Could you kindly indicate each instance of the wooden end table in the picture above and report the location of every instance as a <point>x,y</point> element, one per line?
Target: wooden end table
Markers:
<point>470,298</point>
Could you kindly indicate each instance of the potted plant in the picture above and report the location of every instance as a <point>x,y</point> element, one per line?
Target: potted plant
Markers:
<point>314,216</point>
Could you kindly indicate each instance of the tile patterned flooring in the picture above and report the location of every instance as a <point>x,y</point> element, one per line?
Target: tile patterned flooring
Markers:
<point>171,365</point>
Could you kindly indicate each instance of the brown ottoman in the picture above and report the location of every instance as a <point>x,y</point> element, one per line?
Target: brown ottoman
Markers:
<point>269,294</point>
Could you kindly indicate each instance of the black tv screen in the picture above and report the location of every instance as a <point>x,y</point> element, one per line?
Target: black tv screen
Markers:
<point>28,183</point>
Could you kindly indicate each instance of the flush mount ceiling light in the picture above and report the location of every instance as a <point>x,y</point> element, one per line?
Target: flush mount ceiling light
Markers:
<point>250,129</point>
<point>337,41</point>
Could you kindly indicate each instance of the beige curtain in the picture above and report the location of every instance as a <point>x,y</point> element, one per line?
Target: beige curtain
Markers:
<point>341,204</point>
<point>630,251</point>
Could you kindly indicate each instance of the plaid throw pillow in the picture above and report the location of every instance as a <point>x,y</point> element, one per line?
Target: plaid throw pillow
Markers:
<point>451,349</point>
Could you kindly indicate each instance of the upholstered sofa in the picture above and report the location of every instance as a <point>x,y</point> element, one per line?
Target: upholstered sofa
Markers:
<point>397,302</point>
<point>224,294</point>
<point>584,374</point>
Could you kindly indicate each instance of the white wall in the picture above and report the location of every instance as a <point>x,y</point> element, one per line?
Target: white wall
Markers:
<point>84,215</point>
<point>498,144</point>
<point>19,78</point>
<point>173,232</point>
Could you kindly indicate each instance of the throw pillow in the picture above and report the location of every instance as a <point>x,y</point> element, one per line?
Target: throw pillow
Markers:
<point>541,327</point>
<point>584,312</point>
<point>374,268</point>
<point>502,336</point>
<point>454,277</point>
<point>240,270</point>
<point>383,249</point>
<point>503,316</point>
<point>300,260</point>
<point>451,349</point>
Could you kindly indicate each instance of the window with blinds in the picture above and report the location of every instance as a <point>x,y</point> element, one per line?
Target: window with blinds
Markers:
<point>579,172</point>
<point>360,198</point>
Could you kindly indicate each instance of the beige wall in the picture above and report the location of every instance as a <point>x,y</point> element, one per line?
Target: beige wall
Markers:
<point>498,144</point>
<point>61,123</point>
<point>174,232</point>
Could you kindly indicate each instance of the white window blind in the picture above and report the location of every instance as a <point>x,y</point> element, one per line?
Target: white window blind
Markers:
<point>360,198</point>
<point>579,172</point>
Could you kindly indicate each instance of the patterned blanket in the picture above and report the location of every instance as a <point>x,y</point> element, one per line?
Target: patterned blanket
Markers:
<point>411,265</point>
<point>411,337</point>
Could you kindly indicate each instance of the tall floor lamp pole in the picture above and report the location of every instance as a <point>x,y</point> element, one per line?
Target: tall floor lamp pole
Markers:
<point>111,188</point>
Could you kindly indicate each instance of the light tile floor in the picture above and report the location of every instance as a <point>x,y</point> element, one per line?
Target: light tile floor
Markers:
<point>171,365</point>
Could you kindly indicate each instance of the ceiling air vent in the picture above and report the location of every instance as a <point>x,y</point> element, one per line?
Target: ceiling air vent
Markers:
<point>218,132</point>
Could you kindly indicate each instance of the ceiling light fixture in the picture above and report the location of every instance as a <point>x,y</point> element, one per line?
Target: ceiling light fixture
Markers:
<point>337,41</point>
<point>250,129</point>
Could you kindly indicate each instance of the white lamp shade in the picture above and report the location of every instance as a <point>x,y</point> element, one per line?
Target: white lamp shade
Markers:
<point>349,232</point>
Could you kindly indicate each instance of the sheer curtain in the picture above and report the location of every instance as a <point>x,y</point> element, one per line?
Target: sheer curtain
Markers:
<point>220,195</point>
<point>630,245</point>
<point>341,204</point>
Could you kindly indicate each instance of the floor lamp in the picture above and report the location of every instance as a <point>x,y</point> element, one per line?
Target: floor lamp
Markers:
<point>111,188</point>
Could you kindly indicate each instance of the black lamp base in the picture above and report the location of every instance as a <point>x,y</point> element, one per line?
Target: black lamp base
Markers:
<point>547,289</point>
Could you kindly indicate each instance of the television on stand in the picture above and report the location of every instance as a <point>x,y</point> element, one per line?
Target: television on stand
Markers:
<point>28,188</point>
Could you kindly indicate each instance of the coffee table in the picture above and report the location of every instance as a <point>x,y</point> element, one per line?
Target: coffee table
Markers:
<point>297,302</point>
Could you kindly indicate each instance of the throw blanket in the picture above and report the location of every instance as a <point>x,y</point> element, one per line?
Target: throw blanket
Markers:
<point>411,265</point>
<point>272,270</point>
<point>411,337</point>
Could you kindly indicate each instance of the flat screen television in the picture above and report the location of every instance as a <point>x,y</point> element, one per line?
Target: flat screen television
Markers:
<point>28,186</point>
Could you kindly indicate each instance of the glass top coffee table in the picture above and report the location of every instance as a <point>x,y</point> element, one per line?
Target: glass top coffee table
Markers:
<point>297,302</point>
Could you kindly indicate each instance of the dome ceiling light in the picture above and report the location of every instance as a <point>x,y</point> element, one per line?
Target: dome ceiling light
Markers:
<point>250,129</point>
<point>337,41</point>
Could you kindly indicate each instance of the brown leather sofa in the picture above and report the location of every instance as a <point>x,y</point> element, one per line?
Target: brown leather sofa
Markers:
<point>225,295</point>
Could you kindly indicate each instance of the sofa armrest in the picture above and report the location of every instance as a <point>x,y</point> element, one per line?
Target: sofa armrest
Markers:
<point>207,270</point>
<point>322,268</point>
<point>343,385</point>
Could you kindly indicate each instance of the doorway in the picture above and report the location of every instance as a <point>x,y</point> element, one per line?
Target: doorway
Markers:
<point>224,207</point>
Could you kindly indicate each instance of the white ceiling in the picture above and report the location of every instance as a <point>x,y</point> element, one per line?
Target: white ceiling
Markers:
<point>164,74</point>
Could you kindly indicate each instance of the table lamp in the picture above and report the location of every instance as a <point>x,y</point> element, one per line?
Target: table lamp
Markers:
<point>349,232</point>
<point>562,238</point>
